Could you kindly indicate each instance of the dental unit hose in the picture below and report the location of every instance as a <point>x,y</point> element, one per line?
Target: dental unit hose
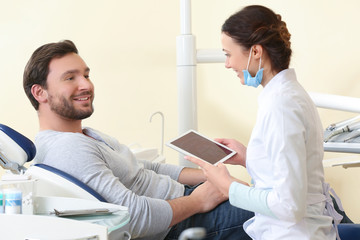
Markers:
<point>354,135</point>
<point>347,128</point>
<point>334,126</point>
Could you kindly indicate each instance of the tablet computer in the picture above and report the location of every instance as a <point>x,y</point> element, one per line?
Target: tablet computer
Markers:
<point>194,144</point>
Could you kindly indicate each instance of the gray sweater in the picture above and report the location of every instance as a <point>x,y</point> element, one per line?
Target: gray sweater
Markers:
<point>111,169</point>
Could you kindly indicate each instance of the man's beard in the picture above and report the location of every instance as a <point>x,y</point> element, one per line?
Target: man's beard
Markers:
<point>66,109</point>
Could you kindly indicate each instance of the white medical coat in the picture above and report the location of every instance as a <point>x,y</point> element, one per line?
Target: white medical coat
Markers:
<point>285,155</point>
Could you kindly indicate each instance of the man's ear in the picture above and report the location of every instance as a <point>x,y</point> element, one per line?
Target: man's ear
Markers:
<point>39,93</point>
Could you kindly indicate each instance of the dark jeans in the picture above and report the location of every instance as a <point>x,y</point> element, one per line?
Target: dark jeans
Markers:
<point>223,222</point>
<point>345,219</point>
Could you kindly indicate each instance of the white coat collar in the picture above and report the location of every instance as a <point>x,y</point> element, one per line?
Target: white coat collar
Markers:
<point>276,81</point>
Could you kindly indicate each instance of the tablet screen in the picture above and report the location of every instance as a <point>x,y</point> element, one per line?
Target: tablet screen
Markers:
<point>194,144</point>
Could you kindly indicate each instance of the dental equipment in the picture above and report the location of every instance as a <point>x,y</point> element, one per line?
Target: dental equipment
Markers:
<point>334,126</point>
<point>49,188</point>
<point>355,134</point>
<point>15,150</point>
<point>162,129</point>
<point>347,128</point>
<point>193,233</point>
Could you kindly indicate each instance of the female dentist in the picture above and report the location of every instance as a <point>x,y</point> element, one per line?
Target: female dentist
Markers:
<point>285,151</point>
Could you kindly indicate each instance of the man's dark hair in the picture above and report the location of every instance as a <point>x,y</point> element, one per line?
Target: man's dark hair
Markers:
<point>37,68</point>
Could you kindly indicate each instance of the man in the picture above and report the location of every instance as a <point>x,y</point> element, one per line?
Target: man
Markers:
<point>56,80</point>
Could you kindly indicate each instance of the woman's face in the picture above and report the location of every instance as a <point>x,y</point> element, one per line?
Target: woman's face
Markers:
<point>236,56</point>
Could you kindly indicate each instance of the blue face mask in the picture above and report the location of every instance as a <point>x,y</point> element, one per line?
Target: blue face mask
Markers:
<point>253,81</point>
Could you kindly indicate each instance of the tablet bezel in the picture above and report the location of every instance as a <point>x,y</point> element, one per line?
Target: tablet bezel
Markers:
<point>185,152</point>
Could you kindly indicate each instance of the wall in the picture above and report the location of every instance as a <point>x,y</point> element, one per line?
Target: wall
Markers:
<point>130,48</point>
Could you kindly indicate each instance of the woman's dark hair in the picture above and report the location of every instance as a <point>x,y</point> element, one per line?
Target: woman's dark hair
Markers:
<point>37,68</point>
<point>259,25</point>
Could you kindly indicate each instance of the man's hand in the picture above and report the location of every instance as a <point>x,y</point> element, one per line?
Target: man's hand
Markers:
<point>203,199</point>
<point>207,196</point>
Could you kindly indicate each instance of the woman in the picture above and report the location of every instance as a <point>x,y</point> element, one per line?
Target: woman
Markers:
<point>285,151</point>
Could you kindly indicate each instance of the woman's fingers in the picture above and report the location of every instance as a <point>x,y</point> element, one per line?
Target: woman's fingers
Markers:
<point>199,162</point>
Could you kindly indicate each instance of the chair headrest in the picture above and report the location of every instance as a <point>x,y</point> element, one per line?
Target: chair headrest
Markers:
<point>15,149</point>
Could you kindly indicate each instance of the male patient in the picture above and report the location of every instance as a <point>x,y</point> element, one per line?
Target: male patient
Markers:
<point>161,205</point>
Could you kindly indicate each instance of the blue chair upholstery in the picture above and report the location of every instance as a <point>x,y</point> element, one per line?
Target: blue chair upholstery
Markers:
<point>26,144</point>
<point>15,149</point>
<point>349,231</point>
<point>73,180</point>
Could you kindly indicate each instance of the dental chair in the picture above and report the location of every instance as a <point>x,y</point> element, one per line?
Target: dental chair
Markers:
<point>53,189</point>
<point>54,182</point>
<point>16,150</point>
<point>348,231</point>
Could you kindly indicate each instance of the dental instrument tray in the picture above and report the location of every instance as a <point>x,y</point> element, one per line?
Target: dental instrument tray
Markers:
<point>83,212</point>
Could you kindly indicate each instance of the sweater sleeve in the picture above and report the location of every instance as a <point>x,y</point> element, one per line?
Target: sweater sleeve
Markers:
<point>249,198</point>
<point>83,160</point>
<point>162,168</point>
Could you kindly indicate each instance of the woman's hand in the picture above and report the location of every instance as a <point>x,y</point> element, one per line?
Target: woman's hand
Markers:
<point>218,175</point>
<point>240,157</point>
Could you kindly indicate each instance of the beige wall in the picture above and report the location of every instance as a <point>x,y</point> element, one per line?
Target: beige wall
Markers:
<point>130,48</point>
